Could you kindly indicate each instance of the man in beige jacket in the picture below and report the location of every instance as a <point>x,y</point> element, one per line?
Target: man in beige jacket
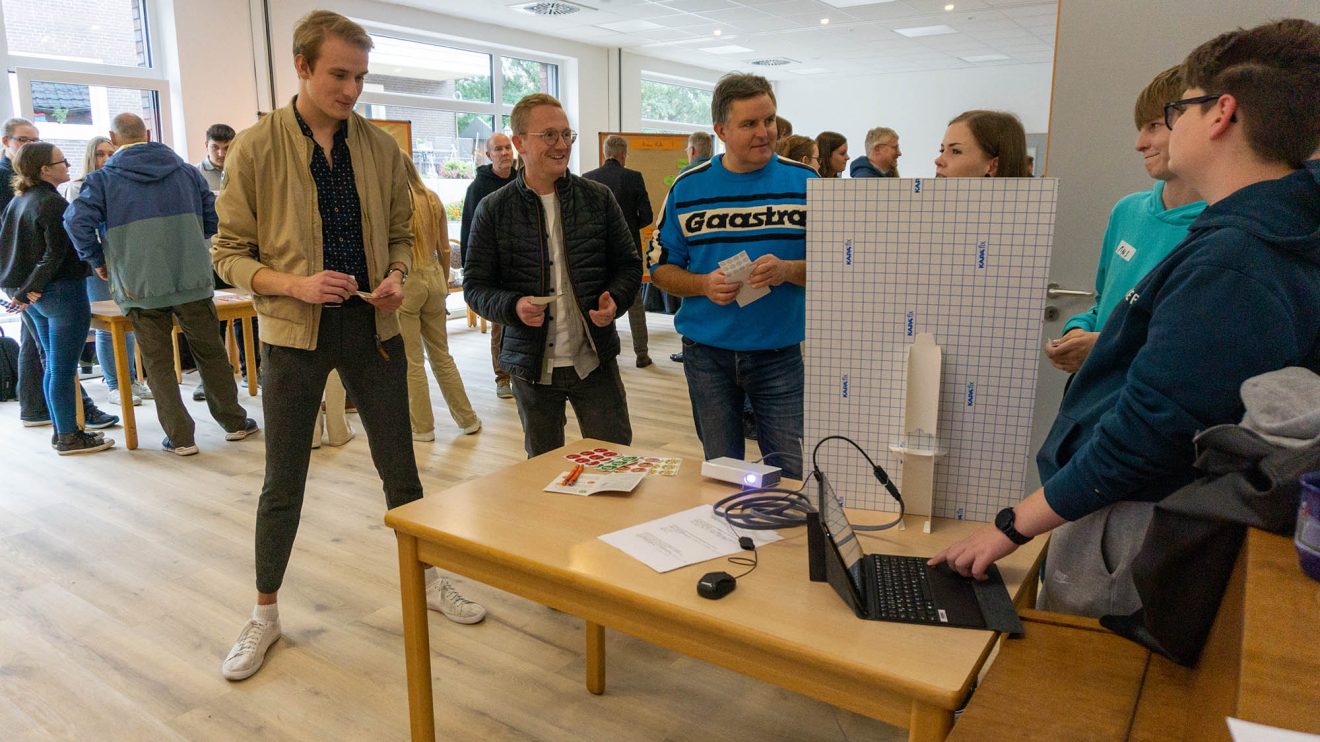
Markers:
<point>315,222</point>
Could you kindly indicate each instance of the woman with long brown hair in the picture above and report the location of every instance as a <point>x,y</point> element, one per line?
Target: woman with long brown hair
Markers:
<point>833,149</point>
<point>990,144</point>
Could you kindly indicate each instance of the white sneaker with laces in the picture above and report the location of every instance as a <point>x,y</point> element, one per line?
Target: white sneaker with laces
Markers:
<point>473,428</point>
<point>142,390</point>
<point>426,437</point>
<point>441,596</point>
<point>249,651</point>
<point>114,397</point>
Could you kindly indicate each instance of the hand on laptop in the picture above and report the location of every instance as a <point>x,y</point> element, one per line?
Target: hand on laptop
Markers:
<point>972,556</point>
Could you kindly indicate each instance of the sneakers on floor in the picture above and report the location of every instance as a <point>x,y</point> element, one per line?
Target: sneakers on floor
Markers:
<point>36,423</point>
<point>114,397</point>
<point>249,427</point>
<point>95,419</point>
<point>473,428</point>
<point>168,445</point>
<point>426,437</point>
<point>644,360</point>
<point>249,651</point>
<point>676,357</point>
<point>68,444</point>
<point>199,394</point>
<point>503,390</point>
<point>441,596</point>
<point>142,390</point>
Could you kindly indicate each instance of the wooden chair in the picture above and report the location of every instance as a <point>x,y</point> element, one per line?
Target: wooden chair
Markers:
<point>473,319</point>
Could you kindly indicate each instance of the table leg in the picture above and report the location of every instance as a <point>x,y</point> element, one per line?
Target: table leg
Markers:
<point>250,342</point>
<point>119,339</point>
<point>80,415</point>
<point>231,344</point>
<point>595,658</point>
<point>929,723</point>
<point>137,361</point>
<point>178,356</point>
<point>416,639</point>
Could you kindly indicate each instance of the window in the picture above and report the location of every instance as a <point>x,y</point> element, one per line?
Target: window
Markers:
<point>671,107</point>
<point>453,98</point>
<point>69,114</point>
<point>107,32</point>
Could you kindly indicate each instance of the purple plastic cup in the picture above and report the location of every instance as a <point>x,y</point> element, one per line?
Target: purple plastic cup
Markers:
<point>1307,537</point>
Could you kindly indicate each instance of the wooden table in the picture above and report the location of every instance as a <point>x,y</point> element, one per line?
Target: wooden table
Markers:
<point>1259,664</point>
<point>780,627</point>
<point>106,315</point>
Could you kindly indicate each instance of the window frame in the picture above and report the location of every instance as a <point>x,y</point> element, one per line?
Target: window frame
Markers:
<point>672,126</point>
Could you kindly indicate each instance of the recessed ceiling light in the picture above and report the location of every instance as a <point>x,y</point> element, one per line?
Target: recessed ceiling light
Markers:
<point>986,58</point>
<point>718,32</point>
<point>854,3</point>
<point>949,6</point>
<point>824,21</point>
<point>728,49</point>
<point>632,26</point>
<point>916,31</point>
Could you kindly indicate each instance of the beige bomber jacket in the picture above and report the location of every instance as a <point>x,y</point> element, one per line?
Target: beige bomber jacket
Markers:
<point>269,218</point>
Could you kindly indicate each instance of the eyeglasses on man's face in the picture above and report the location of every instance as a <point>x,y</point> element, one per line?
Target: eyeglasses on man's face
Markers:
<point>25,140</point>
<point>58,162</point>
<point>552,137</point>
<point>1173,111</point>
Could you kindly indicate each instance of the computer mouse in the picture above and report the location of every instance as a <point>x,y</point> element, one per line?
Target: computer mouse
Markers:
<point>715,585</point>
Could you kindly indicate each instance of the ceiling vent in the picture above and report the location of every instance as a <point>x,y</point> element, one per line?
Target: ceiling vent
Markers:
<point>552,8</point>
<point>772,61</point>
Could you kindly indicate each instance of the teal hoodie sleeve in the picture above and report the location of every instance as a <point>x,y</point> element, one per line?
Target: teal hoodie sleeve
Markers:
<point>1090,319</point>
<point>1184,379</point>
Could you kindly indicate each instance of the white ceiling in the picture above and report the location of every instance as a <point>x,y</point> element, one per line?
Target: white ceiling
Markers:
<point>860,38</point>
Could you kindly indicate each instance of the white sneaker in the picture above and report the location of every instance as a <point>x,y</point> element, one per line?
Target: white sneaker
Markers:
<point>142,390</point>
<point>473,428</point>
<point>425,437</point>
<point>250,650</point>
<point>114,397</point>
<point>441,596</point>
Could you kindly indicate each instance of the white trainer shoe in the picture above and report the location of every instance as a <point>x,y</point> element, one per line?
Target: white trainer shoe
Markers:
<point>250,650</point>
<point>473,428</point>
<point>441,596</point>
<point>142,390</point>
<point>426,437</point>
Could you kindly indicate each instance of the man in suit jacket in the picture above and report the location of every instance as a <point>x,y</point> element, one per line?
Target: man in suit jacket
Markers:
<point>630,191</point>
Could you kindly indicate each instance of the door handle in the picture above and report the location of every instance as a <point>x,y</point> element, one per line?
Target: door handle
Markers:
<point>1053,291</point>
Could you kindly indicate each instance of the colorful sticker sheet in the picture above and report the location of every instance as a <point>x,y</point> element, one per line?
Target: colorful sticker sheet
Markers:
<point>607,460</point>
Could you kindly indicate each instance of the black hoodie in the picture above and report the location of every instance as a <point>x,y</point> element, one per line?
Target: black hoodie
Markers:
<point>486,183</point>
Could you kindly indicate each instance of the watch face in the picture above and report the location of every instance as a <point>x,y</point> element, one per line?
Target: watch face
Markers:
<point>1004,520</point>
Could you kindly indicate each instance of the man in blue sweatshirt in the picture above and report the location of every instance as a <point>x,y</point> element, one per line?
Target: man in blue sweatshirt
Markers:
<point>1143,228</point>
<point>158,215</point>
<point>1239,297</point>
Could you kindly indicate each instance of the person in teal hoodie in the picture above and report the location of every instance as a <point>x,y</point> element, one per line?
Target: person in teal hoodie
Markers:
<point>1238,298</point>
<point>1143,227</point>
<point>157,215</point>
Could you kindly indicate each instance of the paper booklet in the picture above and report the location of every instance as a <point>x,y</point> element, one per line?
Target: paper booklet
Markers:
<point>591,483</point>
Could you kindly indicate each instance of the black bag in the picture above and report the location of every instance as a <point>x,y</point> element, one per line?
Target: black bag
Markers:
<point>8,367</point>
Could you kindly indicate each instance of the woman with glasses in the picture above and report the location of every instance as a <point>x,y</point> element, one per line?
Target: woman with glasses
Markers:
<point>833,149</point>
<point>98,151</point>
<point>977,144</point>
<point>42,274</point>
<point>800,149</point>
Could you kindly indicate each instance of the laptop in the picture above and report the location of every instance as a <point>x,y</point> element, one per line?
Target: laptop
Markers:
<point>885,587</point>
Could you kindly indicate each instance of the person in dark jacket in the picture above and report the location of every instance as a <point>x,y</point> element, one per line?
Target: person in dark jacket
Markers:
<point>157,215</point>
<point>42,274</point>
<point>629,189</point>
<point>881,158</point>
<point>1238,298</point>
<point>490,178</point>
<point>551,258</point>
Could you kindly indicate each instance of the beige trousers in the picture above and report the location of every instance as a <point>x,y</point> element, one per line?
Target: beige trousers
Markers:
<point>422,321</point>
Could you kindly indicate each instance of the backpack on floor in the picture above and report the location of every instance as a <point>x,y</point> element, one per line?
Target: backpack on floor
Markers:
<point>8,367</point>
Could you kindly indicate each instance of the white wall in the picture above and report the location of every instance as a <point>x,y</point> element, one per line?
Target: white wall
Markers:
<point>916,105</point>
<point>216,71</point>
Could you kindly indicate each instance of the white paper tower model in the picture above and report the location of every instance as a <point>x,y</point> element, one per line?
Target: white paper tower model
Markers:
<point>920,444</point>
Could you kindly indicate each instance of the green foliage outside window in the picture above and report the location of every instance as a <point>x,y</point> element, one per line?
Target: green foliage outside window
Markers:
<point>662,101</point>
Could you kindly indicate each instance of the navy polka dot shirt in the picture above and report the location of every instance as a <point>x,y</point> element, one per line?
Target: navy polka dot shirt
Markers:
<point>341,211</point>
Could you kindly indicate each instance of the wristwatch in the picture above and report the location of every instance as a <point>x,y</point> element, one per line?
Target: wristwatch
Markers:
<point>403,275</point>
<point>1004,522</point>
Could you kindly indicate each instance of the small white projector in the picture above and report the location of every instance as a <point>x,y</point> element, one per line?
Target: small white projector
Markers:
<point>740,472</point>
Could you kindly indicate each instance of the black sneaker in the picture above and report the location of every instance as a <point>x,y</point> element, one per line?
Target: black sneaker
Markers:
<point>96,418</point>
<point>249,427</point>
<point>676,357</point>
<point>178,450</point>
<point>199,394</point>
<point>78,442</point>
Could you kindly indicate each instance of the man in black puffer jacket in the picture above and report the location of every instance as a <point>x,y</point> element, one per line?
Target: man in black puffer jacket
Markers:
<point>551,258</point>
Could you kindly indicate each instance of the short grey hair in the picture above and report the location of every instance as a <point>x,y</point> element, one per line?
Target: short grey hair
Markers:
<point>11,126</point>
<point>129,126</point>
<point>737,86</point>
<point>877,134</point>
<point>702,143</point>
<point>615,146</point>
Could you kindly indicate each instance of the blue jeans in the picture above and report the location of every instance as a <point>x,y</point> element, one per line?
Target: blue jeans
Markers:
<point>719,381</point>
<point>61,318</point>
<point>98,290</point>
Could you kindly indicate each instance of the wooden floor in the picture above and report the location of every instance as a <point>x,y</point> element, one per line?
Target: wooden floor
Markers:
<point>125,576</point>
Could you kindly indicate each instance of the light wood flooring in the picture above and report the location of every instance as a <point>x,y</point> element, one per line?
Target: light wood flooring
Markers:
<point>125,576</point>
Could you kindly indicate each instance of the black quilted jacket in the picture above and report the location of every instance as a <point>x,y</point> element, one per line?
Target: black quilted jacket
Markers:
<point>508,258</point>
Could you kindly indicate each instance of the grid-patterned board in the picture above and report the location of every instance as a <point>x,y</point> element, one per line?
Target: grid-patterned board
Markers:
<point>966,259</point>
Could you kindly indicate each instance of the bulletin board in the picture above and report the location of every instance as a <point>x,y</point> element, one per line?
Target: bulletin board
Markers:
<point>400,130</point>
<point>659,158</point>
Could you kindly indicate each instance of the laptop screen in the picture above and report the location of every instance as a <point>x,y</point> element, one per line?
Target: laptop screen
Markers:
<point>841,533</point>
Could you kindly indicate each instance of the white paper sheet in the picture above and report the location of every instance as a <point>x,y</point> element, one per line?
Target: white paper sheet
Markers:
<point>677,540</point>
<point>738,269</point>
<point>1250,731</point>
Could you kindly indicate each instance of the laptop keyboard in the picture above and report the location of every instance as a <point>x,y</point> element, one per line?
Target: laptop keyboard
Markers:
<point>902,589</point>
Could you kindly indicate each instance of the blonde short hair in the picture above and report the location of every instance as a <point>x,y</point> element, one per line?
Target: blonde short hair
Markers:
<point>312,29</point>
<point>523,109</point>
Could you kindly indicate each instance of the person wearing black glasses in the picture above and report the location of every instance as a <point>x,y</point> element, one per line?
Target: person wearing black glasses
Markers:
<point>1238,299</point>
<point>42,274</point>
<point>551,257</point>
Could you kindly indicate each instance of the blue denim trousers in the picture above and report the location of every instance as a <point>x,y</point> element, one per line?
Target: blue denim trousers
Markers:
<point>99,290</point>
<point>720,381</point>
<point>61,318</point>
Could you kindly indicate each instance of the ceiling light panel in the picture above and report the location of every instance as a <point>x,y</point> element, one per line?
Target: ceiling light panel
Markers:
<point>915,32</point>
<point>633,26</point>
